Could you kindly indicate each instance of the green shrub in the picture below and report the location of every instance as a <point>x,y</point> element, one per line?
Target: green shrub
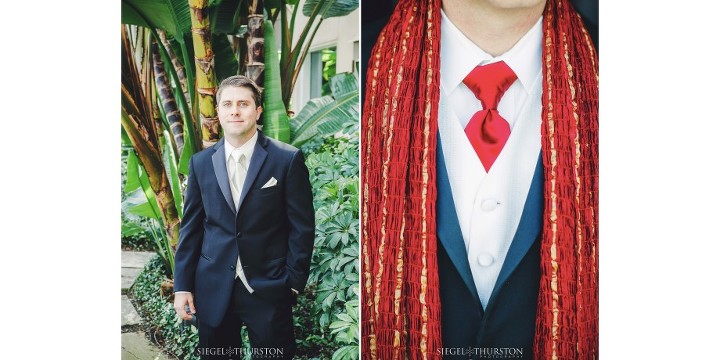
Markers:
<point>159,315</point>
<point>335,269</point>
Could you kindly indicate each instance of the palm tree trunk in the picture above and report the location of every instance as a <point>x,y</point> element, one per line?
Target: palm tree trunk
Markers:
<point>205,71</point>
<point>177,64</point>
<point>168,99</point>
<point>256,43</point>
<point>138,123</point>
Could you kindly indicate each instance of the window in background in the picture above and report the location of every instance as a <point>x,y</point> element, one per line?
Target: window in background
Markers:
<point>322,68</point>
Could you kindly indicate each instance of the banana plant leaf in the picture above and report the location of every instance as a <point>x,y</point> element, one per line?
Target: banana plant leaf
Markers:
<point>132,181</point>
<point>171,170</point>
<point>226,62</point>
<point>224,15</point>
<point>275,118</point>
<point>130,229</point>
<point>173,16</point>
<point>328,114</point>
<point>140,197</point>
<point>138,183</point>
<point>331,8</point>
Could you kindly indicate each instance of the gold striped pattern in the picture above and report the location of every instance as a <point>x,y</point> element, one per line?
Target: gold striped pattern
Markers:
<point>553,192</point>
<point>425,185</point>
<point>399,318</point>
<point>366,192</point>
<point>388,131</point>
<point>578,183</point>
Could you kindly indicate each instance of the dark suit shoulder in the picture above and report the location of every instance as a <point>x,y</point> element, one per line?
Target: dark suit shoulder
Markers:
<point>280,147</point>
<point>206,154</point>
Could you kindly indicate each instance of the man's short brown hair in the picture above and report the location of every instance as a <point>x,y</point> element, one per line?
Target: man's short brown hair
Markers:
<point>240,81</point>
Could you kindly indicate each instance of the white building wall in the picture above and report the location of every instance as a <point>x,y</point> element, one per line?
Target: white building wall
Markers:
<point>341,32</point>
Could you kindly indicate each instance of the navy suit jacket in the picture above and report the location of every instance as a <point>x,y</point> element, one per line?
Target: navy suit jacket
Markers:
<point>273,231</point>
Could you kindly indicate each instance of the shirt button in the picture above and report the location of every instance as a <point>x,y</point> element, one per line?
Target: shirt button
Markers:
<point>485,259</point>
<point>489,204</point>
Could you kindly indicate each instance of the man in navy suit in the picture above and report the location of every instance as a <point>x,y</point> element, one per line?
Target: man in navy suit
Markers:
<point>246,236</point>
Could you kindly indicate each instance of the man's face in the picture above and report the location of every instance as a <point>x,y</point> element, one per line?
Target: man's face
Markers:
<point>238,112</point>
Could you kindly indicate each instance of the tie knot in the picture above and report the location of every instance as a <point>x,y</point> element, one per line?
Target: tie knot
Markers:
<point>489,82</point>
<point>237,155</point>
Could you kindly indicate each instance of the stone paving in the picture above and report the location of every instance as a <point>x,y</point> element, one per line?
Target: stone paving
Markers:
<point>135,346</point>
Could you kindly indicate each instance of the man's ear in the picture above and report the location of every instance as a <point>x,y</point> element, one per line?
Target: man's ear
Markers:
<point>259,111</point>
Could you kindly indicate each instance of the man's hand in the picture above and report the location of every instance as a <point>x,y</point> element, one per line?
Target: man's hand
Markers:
<point>182,299</point>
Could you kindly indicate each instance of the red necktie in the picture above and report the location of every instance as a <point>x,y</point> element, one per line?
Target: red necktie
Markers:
<point>487,130</point>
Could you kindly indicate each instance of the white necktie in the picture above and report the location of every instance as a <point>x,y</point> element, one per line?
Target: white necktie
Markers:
<point>236,187</point>
<point>238,177</point>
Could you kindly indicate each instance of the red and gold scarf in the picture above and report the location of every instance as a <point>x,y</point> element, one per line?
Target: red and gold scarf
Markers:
<point>400,287</point>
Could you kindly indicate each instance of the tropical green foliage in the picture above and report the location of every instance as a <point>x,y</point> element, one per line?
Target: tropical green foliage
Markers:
<point>335,265</point>
<point>292,55</point>
<point>275,117</point>
<point>136,230</point>
<point>139,201</point>
<point>324,116</point>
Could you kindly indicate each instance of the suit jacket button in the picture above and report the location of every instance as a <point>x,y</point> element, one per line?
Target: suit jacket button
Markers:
<point>232,267</point>
<point>239,234</point>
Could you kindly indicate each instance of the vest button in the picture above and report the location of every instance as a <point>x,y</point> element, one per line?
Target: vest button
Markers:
<point>485,259</point>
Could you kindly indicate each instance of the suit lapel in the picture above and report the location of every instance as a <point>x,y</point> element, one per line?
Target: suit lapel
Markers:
<point>220,168</point>
<point>527,231</point>
<point>448,226</point>
<point>256,162</point>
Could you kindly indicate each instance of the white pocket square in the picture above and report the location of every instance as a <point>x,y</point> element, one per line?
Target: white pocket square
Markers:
<point>271,182</point>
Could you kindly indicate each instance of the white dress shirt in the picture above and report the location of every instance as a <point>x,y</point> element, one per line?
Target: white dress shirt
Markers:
<point>489,204</point>
<point>247,149</point>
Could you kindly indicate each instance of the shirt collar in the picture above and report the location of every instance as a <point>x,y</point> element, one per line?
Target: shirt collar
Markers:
<point>247,148</point>
<point>524,58</point>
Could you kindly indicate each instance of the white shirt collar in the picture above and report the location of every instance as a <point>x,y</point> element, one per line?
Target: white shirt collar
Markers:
<point>460,55</point>
<point>247,148</point>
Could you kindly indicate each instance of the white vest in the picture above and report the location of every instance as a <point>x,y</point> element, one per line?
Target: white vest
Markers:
<point>489,205</point>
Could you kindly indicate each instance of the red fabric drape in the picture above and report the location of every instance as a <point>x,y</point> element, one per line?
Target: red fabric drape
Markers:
<point>400,290</point>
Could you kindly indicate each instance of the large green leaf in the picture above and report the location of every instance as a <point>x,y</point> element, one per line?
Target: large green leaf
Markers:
<point>138,183</point>
<point>224,16</point>
<point>226,63</point>
<point>275,118</point>
<point>131,228</point>
<point>325,116</point>
<point>132,178</point>
<point>173,16</point>
<point>136,203</point>
<point>184,165</point>
<point>331,8</point>
<point>171,170</point>
<point>343,84</point>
